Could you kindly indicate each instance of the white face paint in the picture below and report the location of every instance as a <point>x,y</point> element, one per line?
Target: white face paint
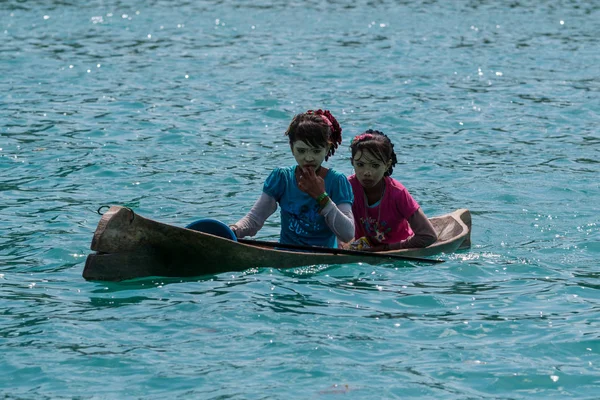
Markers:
<point>307,155</point>
<point>369,169</point>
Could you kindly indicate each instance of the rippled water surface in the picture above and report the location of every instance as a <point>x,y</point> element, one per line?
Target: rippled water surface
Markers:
<point>177,109</point>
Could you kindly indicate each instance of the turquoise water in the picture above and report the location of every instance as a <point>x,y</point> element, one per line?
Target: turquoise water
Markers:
<point>177,109</point>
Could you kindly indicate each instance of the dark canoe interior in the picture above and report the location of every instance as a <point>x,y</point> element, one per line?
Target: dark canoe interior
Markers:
<point>129,246</point>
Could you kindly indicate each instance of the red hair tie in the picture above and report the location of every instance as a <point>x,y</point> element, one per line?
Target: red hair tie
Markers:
<point>327,121</point>
<point>334,126</point>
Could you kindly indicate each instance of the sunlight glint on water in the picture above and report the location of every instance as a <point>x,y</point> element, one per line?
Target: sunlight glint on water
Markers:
<point>178,109</point>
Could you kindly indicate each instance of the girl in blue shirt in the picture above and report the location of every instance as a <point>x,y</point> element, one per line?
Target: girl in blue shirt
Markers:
<point>315,201</point>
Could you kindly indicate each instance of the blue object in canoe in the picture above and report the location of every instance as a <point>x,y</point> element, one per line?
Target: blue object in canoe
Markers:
<point>212,227</point>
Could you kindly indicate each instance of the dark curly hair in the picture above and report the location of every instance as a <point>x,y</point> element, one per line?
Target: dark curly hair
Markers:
<point>318,128</point>
<point>379,144</point>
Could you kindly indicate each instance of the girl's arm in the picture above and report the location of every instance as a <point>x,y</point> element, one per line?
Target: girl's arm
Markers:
<point>255,219</point>
<point>424,233</point>
<point>339,219</point>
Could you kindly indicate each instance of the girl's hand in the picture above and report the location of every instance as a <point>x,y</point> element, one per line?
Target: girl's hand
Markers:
<point>309,182</point>
<point>234,228</point>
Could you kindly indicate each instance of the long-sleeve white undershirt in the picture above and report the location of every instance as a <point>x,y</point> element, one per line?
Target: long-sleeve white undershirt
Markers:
<point>338,218</point>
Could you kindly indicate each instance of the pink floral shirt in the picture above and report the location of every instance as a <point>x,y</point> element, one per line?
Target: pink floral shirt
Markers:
<point>387,220</point>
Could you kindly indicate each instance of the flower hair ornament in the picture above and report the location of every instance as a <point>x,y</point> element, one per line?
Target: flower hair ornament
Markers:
<point>329,119</point>
<point>360,138</point>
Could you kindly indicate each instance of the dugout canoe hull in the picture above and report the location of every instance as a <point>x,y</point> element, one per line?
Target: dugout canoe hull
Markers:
<point>129,246</point>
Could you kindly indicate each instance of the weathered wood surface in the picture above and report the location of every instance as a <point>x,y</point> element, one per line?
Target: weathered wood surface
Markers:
<point>129,246</point>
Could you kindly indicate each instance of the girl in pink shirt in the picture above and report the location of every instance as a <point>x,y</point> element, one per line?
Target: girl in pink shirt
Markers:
<point>386,217</point>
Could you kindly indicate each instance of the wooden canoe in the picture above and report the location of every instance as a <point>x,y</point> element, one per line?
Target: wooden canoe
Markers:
<point>129,246</point>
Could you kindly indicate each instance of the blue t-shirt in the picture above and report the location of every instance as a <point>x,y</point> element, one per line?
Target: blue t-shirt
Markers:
<point>301,222</point>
